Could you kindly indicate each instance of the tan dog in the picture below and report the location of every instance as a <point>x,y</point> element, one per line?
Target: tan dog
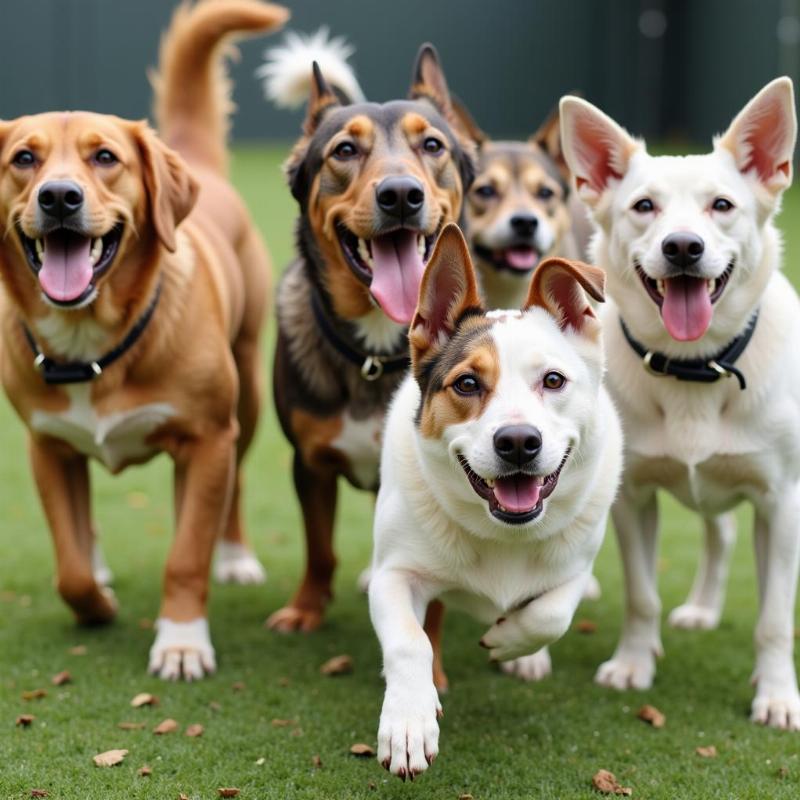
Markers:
<point>124,335</point>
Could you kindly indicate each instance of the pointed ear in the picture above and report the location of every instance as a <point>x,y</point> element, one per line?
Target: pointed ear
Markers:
<point>322,99</point>
<point>465,122</point>
<point>171,187</point>
<point>548,139</point>
<point>560,286</point>
<point>428,81</point>
<point>448,290</point>
<point>762,137</point>
<point>595,148</point>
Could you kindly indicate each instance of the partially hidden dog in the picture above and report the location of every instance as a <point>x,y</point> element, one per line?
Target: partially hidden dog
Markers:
<point>702,336</point>
<point>502,454</point>
<point>135,287</point>
<point>375,184</point>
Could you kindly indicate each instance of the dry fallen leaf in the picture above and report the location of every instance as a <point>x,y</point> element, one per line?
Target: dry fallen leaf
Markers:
<point>238,686</point>
<point>145,771</point>
<point>316,761</point>
<point>586,626</point>
<point>131,726</point>
<point>110,758</point>
<point>465,797</point>
<point>605,782</point>
<point>215,706</point>
<point>361,749</point>
<point>34,694</point>
<point>144,699</point>
<point>39,793</point>
<point>78,650</point>
<point>24,720</point>
<point>165,726</point>
<point>706,752</point>
<point>230,792</point>
<point>61,678</point>
<point>183,796</point>
<point>283,723</point>
<point>195,730</point>
<point>652,715</point>
<point>338,665</point>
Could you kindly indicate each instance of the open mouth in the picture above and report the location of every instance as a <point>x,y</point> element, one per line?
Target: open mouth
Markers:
<point>515,498</point>
<point>685,301</point>
<point>391,265</point>
<point>519,258</point>
<point>68,263</point>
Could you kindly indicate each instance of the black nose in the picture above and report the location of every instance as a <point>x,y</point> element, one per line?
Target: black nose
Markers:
<point>60,198</point>
<point>683,249</point>
<point>400,196</point>
<point>524,225</point>
<point>518,444</point>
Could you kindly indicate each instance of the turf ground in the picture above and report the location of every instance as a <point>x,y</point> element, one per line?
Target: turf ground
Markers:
<point>499,739</point>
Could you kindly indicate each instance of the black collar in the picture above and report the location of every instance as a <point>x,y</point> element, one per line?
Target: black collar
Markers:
<point>698,370</point>
<point>371,365</point>
<point>57,372</point>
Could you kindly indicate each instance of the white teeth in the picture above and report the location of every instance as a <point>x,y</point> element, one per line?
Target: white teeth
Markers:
<point>40,249</point>
<point>363,251</point>
<point>661,286</point>
<point>421,245</point>
<point>97,251</point>
<point>712,284</point>
<point>489,483</point>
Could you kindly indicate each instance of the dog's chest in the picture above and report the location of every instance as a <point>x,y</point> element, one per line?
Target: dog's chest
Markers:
<point>359,442</point>
<point>114,439</point>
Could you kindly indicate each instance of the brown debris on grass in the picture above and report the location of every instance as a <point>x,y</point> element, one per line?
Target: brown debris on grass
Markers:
<point>144,699</point>
<point>34,694</point>
<point>338,665</point>
<point>78,650</point>
<point>229,792</point>
<point>195,730</point>
<point>606,783</point>
<point>145,771</point>
<point>110,758</point>
<point>706,752</point>
<point>652,715</point>
<point>165,726</point>
<point>61,678</point>
<point>586,626</point>
<point>362,750</point>
<point>24,720</point>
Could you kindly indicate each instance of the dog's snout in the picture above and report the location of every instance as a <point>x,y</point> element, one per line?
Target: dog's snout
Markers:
<point>400,196</point>
<point>60,199</point>
<point>518,444</point>
<point>683,249</point>
<point>524,225</point>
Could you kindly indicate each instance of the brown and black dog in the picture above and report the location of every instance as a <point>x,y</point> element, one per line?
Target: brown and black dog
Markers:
<point>134,295</point>
<point>375,184</point>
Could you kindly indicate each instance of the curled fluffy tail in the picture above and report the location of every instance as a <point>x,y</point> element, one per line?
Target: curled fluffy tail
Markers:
<point>192,90</point>
<point>286,71</point>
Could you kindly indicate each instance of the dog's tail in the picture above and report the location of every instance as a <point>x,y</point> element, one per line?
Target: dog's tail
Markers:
<point>192,90</point>
<point>286,72</point>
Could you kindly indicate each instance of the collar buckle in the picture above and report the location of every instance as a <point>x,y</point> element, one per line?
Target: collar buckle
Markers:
<point>372,368</point>
<point>647,360</point>
<point>719,369</point>
<point>38,362</point>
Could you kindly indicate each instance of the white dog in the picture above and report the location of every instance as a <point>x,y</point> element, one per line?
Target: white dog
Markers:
<point>693,258</point>
<point>502,455</point>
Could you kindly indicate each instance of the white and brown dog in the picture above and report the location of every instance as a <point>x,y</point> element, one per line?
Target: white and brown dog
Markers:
<point>701,338</point>
<point>501,458</point>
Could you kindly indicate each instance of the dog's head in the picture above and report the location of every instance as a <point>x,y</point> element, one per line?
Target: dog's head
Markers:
<point>685,237</point>
<point>84,200</point>
<point>376,183</point>
<point>507,397</point>
<point>516,212</point>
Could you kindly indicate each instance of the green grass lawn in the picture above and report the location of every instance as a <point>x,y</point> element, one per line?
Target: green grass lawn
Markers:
<point>499,738</point>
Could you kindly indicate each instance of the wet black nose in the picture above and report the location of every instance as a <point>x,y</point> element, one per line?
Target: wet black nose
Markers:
<point>683,249</point>
<point>524,225</point>
<point>60,198</point>
<point>518,444</point>
<point>400,196</point>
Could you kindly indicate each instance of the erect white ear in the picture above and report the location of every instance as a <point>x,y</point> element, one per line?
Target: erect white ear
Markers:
<point>762,135</point>
<point>596,149</point>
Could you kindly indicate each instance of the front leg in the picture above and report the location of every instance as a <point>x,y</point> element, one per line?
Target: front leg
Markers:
<point>204,473</point>
<point>408,734</point>
<point>777,544</point>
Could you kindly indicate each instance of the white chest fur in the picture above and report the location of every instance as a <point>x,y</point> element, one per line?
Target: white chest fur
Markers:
<point>360,442</point>
<point>111,438</point>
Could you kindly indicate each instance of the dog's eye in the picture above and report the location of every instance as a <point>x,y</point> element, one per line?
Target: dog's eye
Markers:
<point>345,150</point>
<point>545,193</point>
<point>24,159</point>
<point>644,206</point>
<point>554,380</point>
<point>432,145</point>
<point>105,158</point>
<point>722,204</point>
<point>467,385</point>
<point>487,191</point>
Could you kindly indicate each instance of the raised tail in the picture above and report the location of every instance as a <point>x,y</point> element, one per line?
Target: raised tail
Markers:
<point>286,71</point>
<point>192,90</point>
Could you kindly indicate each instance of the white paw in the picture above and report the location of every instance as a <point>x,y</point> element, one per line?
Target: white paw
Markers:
<point>408,734</point>
<point>592,590</point>
<point>529,668</point>
<point>694,617</point>
<point>182,649</point>
<point>102,574</point>
<point>777,706</point>
<point>363,579</point>
<point>234,563</point>
<point>628,669</point>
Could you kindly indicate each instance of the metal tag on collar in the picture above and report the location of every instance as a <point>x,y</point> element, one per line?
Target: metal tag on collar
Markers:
<point>96,368</point>
<point>719,369</point>
<point>646,360</point>
<point>372,368</point>
<point>38,362</point>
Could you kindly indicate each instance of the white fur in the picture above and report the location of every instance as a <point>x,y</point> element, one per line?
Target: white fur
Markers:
<point>182,649</point>
<point>378,332</point>
<point>710,445</point>
<point>235,563</point>
<point>360,442</point>
<point>286,72</point>
<point>85,340</point>
<point>435,537</point>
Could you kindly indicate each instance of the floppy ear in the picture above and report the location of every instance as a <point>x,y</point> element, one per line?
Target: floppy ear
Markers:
<point>548,139</point>
<point>428,81</point>
<point>762,136</point>
<point>171,187</point>
<point>560,286</point>
<point>322,99</point>
<point>448,290</point>
<point>595,148</point>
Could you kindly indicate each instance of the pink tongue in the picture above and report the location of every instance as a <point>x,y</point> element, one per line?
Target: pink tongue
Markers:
<point>521,257</point>
<point>66,268</point>
<point>686,310</point>
<point>397,274</point>
<point>518,493</point>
